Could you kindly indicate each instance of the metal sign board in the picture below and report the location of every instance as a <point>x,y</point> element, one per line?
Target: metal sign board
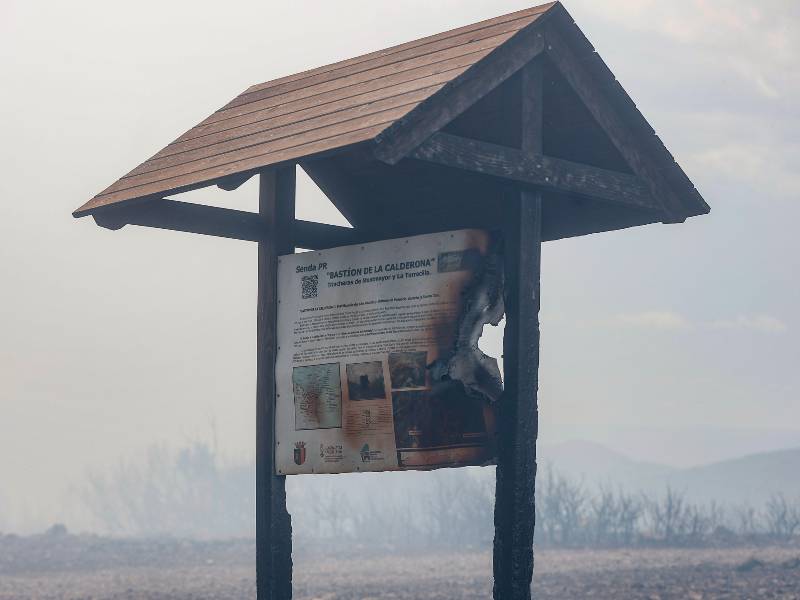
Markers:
<point>378,367</point>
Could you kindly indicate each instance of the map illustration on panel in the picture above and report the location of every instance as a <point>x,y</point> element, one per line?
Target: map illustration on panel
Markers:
<point>317,397</point>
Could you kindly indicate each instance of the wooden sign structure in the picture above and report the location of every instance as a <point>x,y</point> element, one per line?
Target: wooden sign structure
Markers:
<point>513,124</point>
<point>378,365</point>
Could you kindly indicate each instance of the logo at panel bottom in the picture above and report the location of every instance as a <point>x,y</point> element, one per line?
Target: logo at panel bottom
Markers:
<point>299,453</point>
<point>368,456</point>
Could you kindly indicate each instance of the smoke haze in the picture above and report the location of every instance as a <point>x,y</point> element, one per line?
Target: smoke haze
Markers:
<point>111,342</point>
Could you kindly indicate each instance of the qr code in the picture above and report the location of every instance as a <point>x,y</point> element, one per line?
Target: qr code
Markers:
<point>310,285</point>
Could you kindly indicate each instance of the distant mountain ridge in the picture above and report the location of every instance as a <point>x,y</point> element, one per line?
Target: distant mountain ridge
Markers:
<point>748,479</point>
<point>676,446</point>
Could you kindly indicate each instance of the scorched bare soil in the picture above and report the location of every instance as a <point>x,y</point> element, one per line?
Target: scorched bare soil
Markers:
<point>83,568</point>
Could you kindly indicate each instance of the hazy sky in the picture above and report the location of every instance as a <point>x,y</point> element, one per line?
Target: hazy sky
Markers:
<point>110,341</point>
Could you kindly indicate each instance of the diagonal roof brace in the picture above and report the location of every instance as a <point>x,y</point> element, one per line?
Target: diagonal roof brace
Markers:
<point>595,99</point>
<point>405,134</point>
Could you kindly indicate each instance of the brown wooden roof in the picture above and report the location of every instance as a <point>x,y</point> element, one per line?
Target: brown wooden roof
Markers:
<point>313,112</point>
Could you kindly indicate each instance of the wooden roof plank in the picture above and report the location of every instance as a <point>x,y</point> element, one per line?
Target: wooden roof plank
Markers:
<point>332,110</point>
<point>467,29</point>
<point>262,149</point>
<point>458,57</point>
<point>320,102</point>
<point>208,175</point>
<point>270,130</point>
<point>360,82</point>
<point>490,37</point>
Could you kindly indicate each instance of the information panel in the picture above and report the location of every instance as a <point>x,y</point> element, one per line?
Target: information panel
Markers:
<point>377,366</point>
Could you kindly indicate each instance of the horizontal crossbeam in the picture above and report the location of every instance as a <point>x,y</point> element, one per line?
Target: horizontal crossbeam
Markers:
<point>185,216</point>
<point>538,170</point>
<point>320,236</point>
<point>222,222</point>
<point>623,190</point>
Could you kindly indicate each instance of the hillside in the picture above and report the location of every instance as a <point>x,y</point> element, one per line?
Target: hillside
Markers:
<point>752,478</point>
<point>749,479</point>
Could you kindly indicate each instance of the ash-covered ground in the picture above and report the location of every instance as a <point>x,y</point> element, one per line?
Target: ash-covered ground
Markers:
<point>61,567</point>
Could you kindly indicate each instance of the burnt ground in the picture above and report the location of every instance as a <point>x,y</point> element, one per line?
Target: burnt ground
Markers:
<point>83,568</point>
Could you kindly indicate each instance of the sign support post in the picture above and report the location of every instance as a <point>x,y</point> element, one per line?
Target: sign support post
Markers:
<point>514,512</point>
<point>273,524</point>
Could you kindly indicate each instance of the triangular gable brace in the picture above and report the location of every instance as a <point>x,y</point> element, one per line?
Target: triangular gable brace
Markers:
<point>405,134</point>
<point>415,135</point>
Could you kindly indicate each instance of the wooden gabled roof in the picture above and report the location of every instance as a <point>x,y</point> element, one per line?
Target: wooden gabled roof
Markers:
<point>368,122</point>
<point>315,111</point>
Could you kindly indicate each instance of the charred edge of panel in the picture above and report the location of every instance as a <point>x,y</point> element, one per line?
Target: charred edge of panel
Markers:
<point>464,365</point>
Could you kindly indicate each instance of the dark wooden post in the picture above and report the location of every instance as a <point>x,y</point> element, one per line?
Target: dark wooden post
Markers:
<point>514,513</point>
<point>273,523</point>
